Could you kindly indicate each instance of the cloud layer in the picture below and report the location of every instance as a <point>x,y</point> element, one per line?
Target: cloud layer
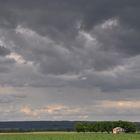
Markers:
<point>61,53</point>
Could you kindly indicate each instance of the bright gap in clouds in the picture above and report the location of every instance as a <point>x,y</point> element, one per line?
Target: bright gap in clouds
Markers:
<point>18,58</point>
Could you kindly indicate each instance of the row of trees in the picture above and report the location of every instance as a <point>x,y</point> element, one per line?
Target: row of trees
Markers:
<point>104,126</point>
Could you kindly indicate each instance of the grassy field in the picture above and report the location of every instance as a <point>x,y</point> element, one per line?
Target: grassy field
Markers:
<point>67,136</point>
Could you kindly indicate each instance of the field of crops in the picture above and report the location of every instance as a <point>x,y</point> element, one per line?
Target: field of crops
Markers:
<point>68,136</point>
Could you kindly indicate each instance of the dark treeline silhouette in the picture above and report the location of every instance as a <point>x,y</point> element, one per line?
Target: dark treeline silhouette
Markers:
<point>105,126</point>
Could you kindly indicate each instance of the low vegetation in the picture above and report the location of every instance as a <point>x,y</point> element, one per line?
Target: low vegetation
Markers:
<point>68,136</point>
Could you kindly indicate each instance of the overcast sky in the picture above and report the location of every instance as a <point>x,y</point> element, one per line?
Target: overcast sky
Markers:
<point>69,60</point>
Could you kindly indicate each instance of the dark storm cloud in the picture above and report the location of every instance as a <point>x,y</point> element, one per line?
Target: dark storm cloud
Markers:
<point>72,37</point>
<point>56,17</point>
<point>59,19</point>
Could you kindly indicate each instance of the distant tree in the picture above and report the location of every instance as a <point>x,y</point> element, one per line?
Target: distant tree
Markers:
<point>80,127</point>
<point>97,127</point>
<point>102,126</point>
<point>130,127</point>
<point>86,126</point>
<point>105,126</point>
<point>90,127</point>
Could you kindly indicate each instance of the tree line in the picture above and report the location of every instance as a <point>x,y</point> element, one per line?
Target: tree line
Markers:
<point>105,126</point>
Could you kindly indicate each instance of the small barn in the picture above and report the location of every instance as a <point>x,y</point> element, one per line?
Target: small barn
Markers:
<point>118,130</point>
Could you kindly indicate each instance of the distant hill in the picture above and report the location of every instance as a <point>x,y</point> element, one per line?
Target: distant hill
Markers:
<point>138,125</point>
<point>37,126</point>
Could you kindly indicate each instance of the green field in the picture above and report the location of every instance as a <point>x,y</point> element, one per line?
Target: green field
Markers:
<point>67,136</point>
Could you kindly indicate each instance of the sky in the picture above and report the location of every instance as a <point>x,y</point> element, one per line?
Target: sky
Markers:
<point>69,60</point>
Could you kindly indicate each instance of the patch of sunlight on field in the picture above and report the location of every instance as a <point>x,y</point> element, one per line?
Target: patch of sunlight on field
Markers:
<point>66,136</point>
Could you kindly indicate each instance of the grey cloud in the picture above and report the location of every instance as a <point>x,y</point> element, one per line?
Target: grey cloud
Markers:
<point>6,64</point>
<point>4,51</point>
<point>88,59</point>
<point>119,38</point>
<point>5,101</point>
<point>11,98</point>
<point>4,69</point>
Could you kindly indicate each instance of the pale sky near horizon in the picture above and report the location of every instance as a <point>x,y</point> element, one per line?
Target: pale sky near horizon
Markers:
<point>69,60</point>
